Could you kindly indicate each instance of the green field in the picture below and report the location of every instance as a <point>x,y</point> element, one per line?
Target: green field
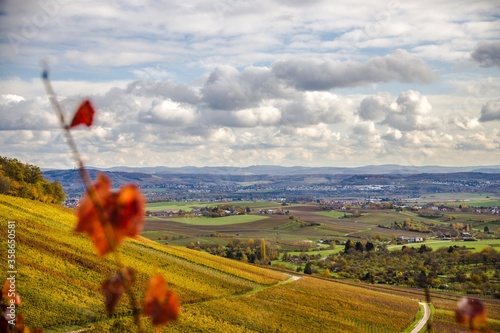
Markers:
<point>322,253</point>
<point>178,205</point>
<point>476,246</point>
<point>173,205</point>
<point>332,214</point>
<point>217,221</point>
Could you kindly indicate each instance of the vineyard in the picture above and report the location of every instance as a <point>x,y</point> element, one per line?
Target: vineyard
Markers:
<point>59,278</point>
<point>59,274</point>
<point>306,305</point>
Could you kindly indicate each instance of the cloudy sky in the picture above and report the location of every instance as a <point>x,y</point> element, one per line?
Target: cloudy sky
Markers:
<point>238,83</point>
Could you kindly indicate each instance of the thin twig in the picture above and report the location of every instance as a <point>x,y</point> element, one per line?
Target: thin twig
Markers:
<point>108,229</point>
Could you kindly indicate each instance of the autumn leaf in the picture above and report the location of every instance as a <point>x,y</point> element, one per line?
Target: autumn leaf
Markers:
<point>114,287</point>
<point>470,311</point>
<point>160,303</point>
<point>84,115</point>
<point>123,212</point>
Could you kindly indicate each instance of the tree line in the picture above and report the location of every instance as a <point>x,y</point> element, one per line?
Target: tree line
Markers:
<point>455,268</point>
<point>26,181</point>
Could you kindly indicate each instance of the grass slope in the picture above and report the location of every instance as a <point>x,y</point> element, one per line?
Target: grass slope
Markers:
<point>59,277</point>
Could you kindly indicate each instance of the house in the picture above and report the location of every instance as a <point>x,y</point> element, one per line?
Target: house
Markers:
<point>405,239</point>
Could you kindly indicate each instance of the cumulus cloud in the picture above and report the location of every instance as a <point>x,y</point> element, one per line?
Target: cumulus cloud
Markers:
<point>479,141</point>
<point>487,54</point>
<point>490,111</point>
<point>325,74</point>
<point>467,123</point>
<point>17,113</point>
<point>165,89</point>
<point>392,135</point>
<point>313,107</point>
<point>376,107</point>
<point>169,113</point>
<point>228,89</point>
<point>261,116</point>
<point>410,111</point>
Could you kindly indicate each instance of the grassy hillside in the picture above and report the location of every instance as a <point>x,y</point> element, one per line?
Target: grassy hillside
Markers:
<point>59,277</point>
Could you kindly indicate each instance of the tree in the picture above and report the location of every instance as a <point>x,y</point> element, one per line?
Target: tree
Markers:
<point>308,269</point>
<point>251,243</point>
<point>263,254</point>
<point>486,229</point>
<point>369,246</point>
<point>349,245</point>
<point>359,246</point>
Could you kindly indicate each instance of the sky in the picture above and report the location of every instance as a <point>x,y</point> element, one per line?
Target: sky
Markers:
<point>240,83</point>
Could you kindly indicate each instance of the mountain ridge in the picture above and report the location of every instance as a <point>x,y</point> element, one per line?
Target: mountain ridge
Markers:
<point>298,170</point>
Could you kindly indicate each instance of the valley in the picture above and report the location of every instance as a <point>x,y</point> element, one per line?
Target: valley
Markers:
<point>283,253</point>
<point>59,277</point>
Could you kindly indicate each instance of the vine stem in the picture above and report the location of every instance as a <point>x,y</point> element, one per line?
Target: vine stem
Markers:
<point>84,175</point>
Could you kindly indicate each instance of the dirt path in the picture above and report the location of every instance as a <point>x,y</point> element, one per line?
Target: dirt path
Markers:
<point>425,318</point>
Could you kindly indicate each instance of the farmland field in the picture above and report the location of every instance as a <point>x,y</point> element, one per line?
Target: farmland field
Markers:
<point>218,221</point>
<point>173,205</point>
<point>177,205</point>
<point>456,199</point>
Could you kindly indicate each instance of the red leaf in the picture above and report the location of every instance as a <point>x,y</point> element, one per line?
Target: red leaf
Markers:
<point>470,311</point>
<point>122,210</point>
<point>84,115</point>
<point>160,303</point>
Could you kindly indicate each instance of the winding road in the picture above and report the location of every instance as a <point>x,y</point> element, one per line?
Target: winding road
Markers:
<point>422,322</point>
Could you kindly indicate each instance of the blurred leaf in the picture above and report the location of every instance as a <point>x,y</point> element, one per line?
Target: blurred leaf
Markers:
<point>123,210</point>
<point>114,287</point>
<point>84,115</point>
<point>470,311</point>
<point>5,293</point>
<point>160,303</point>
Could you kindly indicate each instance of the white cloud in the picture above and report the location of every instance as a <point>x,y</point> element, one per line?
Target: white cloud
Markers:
<point>410,111</point>
<point>239,83</point>
<point>169,113</point>
<point>467,123</point>
<point>490,111</point>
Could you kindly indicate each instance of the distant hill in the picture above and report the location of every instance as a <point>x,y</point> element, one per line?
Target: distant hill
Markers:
<point>26,181</point>
<point>59,277</point>
<point>299,170</point>
<point>249,186</point>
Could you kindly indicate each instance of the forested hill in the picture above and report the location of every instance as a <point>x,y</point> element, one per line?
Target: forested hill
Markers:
<point>26,181</point>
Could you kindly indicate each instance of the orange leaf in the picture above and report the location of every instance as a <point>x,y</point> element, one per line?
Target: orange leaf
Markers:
<point>160,303</point>
<point>84,115</point>
<point>123,213</point>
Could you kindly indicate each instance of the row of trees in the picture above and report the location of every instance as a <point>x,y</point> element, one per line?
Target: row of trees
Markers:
<point>454,268</point>
<point>26,181</point>
<point>247,251</point>
<point>223,210</point>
